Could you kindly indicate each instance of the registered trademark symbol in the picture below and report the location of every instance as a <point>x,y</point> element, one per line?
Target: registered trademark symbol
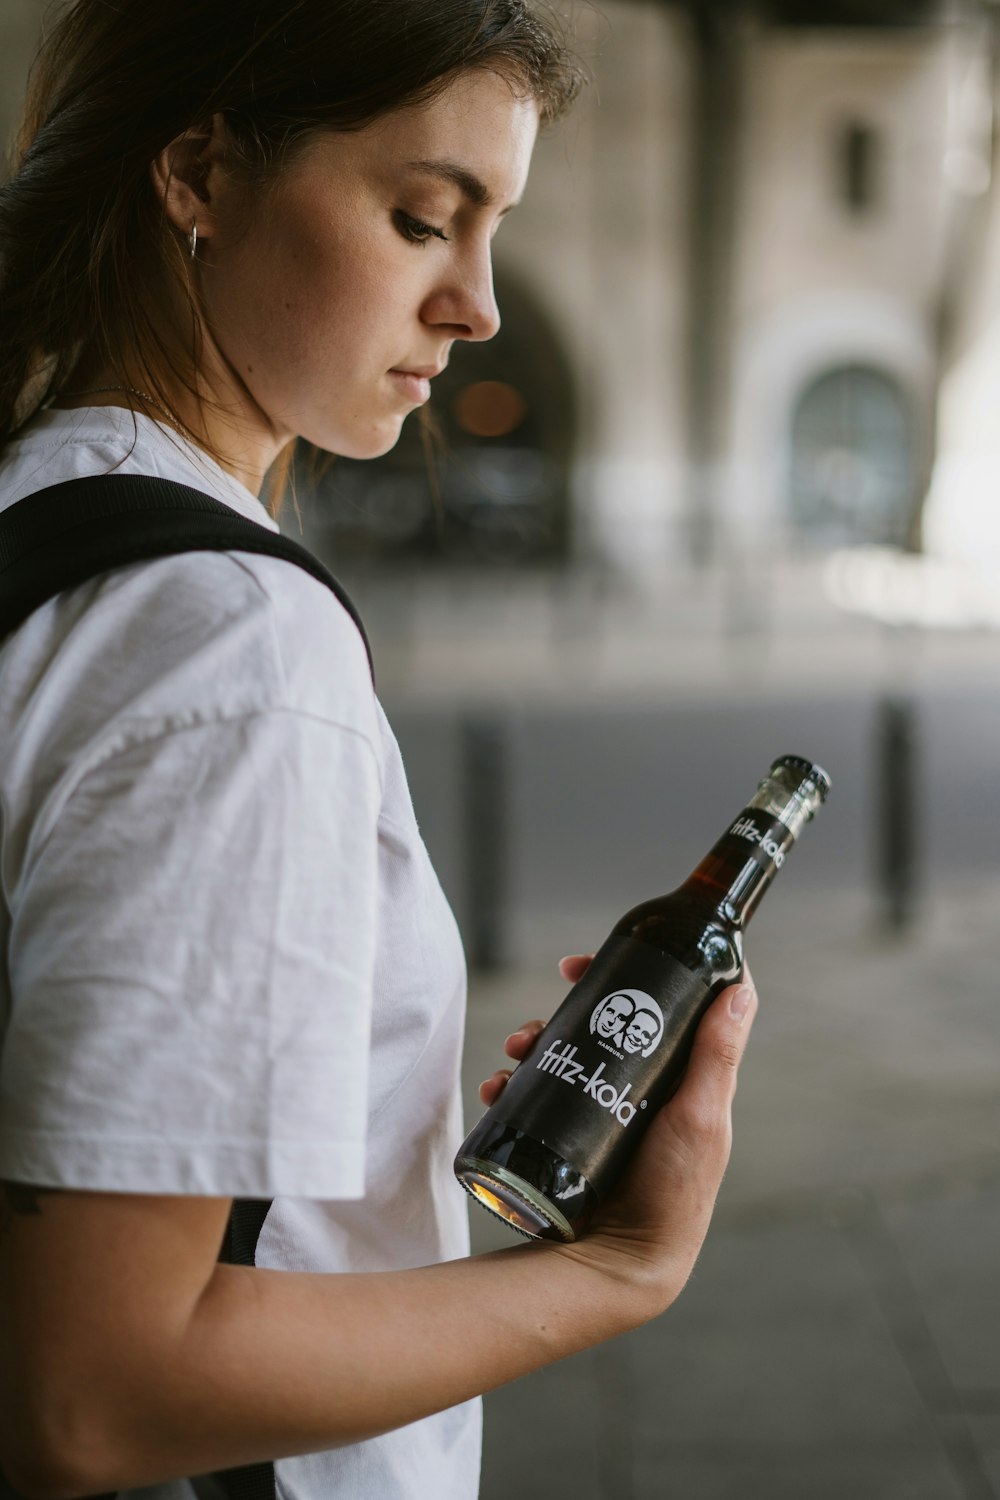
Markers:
<point>642,1104</point>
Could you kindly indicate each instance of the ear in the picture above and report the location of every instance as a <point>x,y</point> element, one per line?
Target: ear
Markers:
<point>187,177</point>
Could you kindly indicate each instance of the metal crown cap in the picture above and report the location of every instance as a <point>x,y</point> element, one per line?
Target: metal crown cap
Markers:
<point>807,770</point>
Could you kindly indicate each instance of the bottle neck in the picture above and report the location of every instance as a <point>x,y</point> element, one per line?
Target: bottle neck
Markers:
<point>738,869</point>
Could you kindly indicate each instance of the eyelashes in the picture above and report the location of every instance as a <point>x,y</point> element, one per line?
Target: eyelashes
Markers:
<point>415,230</point>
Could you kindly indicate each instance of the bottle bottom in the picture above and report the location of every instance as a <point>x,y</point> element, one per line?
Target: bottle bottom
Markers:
<point>524,1183</point>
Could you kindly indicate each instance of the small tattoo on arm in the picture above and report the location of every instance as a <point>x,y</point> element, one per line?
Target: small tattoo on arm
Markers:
<point>20,1199</point>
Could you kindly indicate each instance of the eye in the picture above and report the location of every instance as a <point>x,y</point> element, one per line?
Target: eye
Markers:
<point>415,230</point>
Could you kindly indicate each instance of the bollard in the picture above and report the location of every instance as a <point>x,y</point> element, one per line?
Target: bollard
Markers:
<point>897,811</point>
<point>484,814</point>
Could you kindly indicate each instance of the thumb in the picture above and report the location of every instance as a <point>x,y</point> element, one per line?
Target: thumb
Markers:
<point>719,1044</point>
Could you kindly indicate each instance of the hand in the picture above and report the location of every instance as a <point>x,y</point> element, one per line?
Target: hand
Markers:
<point>519,1044</point>
<point>649,1231</point>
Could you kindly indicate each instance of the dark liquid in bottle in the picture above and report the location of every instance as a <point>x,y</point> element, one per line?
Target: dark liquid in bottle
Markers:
<point>576,1108</point>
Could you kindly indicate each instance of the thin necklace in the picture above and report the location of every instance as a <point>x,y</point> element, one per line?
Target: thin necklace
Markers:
<point>130,390</point>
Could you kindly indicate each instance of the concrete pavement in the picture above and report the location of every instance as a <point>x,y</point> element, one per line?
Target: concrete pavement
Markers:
<point>841,1333</point>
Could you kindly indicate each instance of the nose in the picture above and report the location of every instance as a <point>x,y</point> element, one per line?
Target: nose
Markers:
<point>463,303</point>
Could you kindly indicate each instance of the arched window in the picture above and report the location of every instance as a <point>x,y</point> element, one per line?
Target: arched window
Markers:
<point>493,484</point>
<point>852,474</point>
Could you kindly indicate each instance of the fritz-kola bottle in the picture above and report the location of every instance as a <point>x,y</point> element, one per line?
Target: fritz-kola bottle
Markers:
<point>574,1111</point>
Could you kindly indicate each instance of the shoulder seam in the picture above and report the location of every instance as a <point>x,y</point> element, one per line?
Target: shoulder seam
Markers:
<point>163,728</point>
<point>238,559</point>
<point>165,725</point>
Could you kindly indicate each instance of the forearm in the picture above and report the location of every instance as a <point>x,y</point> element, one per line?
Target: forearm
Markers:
<point>275,1363</point>
<point>123,1367</point>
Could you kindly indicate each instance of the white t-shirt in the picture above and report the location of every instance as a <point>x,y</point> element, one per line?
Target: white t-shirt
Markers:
<point>232,970</point>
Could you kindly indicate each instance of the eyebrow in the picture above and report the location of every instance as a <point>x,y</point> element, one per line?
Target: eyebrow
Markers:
<point>467,182</point>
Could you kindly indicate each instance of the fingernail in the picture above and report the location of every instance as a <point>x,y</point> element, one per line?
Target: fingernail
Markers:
<point>522,1031</point>
<point>739,1003</point>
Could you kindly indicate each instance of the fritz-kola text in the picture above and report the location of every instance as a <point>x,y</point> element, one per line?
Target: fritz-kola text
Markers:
<point>563,1064</point>
<point>746,828</point>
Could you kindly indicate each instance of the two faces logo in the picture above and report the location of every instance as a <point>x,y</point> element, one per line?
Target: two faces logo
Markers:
<point>629,1019</point>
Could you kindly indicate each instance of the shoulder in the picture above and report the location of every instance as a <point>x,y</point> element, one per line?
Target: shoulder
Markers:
<point>225,634</point>
<point>213,634</point>
<point>318,646</point>
<point>187,645</point>
<point>182,690</point>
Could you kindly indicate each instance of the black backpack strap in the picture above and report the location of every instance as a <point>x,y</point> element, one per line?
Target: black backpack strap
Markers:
<point>63,535</point>
<point>68,533</point>
<point>239,1248</point>
<point>239,1244</point>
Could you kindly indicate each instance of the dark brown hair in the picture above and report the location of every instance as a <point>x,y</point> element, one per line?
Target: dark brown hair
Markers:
<point>86,250</point>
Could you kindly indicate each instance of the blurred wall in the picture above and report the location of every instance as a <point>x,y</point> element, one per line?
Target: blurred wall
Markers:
<point>608,245</point>
<point>601,240</point>
<point>807,283</point>
<point>819,284</point>
<point>963,519</point>
<point>20,23</point>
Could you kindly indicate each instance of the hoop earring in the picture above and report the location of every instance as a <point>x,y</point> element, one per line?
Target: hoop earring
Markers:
<point>193,237</point>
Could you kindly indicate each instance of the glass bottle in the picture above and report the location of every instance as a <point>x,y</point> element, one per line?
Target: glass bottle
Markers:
<point>574,1110</point>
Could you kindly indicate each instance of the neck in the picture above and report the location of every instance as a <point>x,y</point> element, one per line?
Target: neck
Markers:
<point>735,889</point>
<point>219,418</point>
<point>739,868</point>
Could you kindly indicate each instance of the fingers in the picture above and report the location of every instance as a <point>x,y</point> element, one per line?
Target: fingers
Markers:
<point>702,1103</point>
<point>520,1042</point>
<point>575,966</point>
<point>492,1088</point>
<point>654,1223</point>
<point>517,1046</point>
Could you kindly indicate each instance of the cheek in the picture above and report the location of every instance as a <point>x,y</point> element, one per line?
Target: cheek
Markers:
<point>281,288</point>
<point>312,315</point>
<point>335,308</point>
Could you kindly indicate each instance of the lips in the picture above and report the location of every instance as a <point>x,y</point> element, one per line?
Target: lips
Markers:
<point>423,372</point>
<point>414,388</point>
<point>414,381</point>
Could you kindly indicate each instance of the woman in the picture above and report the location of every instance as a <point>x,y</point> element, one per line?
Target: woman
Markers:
<point>231,969</point>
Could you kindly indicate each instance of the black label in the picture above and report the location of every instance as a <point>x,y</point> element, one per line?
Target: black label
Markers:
<point>611,1054</point>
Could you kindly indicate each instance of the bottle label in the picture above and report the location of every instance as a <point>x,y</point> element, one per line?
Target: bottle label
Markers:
<point>765,839</point>
<point>610,1056</point>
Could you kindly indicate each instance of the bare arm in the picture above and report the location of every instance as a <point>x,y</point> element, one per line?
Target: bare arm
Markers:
<point>128,1356</point>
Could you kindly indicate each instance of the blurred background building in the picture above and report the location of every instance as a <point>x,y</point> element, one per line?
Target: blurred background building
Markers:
<point>742,272</point>
<point>748,304</point>
<point>740,276</point>
<point>724,487</point>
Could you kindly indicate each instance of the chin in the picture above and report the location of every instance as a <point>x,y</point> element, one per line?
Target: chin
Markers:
<point>360,445</point>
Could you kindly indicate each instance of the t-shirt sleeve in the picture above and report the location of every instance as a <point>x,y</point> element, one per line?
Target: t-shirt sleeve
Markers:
<point>191,961</point>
